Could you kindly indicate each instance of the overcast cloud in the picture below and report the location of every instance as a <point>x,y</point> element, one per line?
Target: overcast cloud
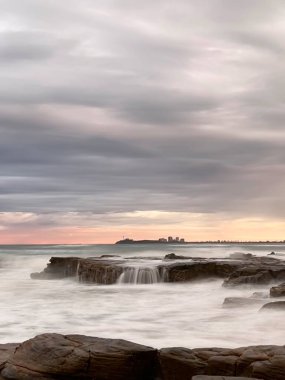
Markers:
<point>112,107</point>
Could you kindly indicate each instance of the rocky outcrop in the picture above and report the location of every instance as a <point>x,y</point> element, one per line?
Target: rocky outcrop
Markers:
<point>257,271</point>
<point>247,270</point>
<point>261,362</point>
<point>278,291</point>
<point>78,357</point>
<point>74,357</point>
<point>204,268</point>
<point>59,267</point>
<point>99,271</point>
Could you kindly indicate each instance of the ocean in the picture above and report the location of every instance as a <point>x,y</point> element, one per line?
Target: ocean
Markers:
<point>158,315</point>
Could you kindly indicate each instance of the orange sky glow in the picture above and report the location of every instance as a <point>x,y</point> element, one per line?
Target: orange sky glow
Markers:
<point>239,229</point>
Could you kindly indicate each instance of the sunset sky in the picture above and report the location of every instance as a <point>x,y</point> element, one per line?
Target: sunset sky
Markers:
<point>141,119</point>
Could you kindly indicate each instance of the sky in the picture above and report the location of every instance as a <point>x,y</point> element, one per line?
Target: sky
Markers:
<point>141,119</point>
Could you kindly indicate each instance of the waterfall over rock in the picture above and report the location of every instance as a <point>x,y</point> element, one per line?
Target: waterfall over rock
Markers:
<point>139,275</point>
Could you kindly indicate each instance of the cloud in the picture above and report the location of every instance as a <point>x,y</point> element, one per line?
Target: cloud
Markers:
<point>118,107</point>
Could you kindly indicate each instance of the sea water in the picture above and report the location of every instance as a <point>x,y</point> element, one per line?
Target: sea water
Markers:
<point>157,314</point>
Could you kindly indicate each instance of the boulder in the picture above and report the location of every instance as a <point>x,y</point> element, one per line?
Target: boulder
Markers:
<point>278,305</point>
<point>74,357</point>
<point>241,301</point>
<point>173,256</point>
<point>278,291</point>
<point>180,363</point>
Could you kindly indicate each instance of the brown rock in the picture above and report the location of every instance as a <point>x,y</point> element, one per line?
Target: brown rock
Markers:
<point>98,271</point>
<point>181,272</point>
<point>222,365</point>
<point>241,301</point>
<point>74,357</point>
<point>259,362</point>
<point>180,363</point>
<point>278,305</point>
<point>6,350</point>
<point>278,291</point>
<point>249,270</point>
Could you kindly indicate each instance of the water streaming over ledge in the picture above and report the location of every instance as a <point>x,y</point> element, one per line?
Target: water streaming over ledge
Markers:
<point>139,275</point>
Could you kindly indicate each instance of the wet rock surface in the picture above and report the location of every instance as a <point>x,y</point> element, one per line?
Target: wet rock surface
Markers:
<point>6,350</point>
<point>107,270</point>
<point>260,362</point>
<point>97,270</point>
<point>278,291</point>
<point>257,271</point>
<point>278,305</point>
<point>74,357</point>
<point>241,301</point>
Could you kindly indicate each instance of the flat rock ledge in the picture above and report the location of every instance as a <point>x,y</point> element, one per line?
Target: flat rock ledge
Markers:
<point>239,270</point>
<point>74,357</point>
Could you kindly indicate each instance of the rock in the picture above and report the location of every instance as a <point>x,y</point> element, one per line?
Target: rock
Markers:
<point>58,267</point>
<point>6,350</point>
<point>258,271</point>
<point>74,357</point>
<point>272,253</point>
<point>201,269</point>
<point>78,357</point>
<point>260,362</point>
<point>173,256</point>
<point>241,301</point>
<point>278,291</point>
<point>86,270</point>
<point>278,305</point>
<point>180,363</point>
<point>255,270</point>
<point>108,256</point>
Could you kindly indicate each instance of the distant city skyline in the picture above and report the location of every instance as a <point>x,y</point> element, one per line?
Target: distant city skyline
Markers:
<point>142,119</point>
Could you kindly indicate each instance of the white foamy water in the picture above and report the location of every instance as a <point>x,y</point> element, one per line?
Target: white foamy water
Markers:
<point>156,314</point>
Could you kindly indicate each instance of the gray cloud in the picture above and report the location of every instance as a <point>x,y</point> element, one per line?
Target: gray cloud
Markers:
<point>114,106</point>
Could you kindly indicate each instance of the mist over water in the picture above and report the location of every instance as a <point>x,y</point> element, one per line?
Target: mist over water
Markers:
<point>157,314</point>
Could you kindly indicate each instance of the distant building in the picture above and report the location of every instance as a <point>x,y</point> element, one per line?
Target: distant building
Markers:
<point>177,238</point>
<point>162,240</point>
<point>182,240</point>
<point>170,239</point>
